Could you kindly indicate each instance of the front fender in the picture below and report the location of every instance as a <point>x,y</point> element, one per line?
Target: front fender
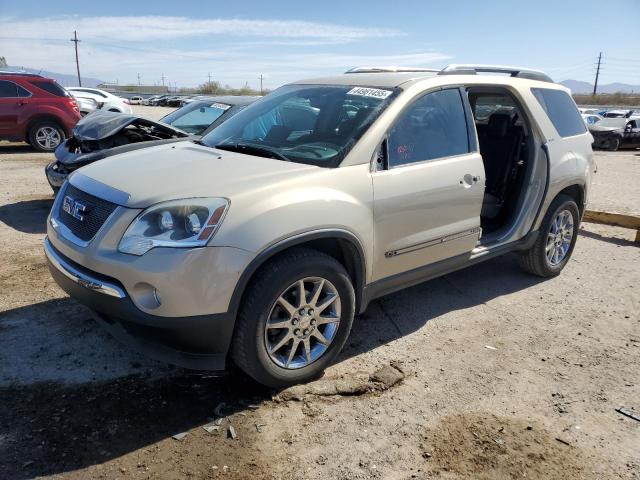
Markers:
<point>331,199</point>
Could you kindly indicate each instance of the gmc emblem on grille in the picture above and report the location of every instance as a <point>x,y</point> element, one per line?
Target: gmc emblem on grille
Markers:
<point>74,208</point>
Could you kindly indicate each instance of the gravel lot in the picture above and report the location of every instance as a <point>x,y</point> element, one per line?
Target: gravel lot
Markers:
<point>505,376</point>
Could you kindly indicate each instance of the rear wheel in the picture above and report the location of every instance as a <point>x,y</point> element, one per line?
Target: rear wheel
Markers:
<point>557,238</point>
<point>45,136</point>
<point>295,318</point>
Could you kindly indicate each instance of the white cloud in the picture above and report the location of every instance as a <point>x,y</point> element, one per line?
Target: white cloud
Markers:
<point>121,47</point>
<point>145,28</point>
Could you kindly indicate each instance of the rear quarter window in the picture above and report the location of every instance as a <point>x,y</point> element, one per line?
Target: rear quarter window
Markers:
<point>561,110</point>
<point>51,87</point>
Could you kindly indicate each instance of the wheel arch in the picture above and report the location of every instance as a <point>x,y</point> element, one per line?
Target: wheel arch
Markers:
<point>577,192</point>
<point>342,245</point>
<point>44,117</point>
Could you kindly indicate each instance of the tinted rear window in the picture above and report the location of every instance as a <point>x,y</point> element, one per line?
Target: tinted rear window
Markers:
<point>561,111</point>
<point>51,87</point>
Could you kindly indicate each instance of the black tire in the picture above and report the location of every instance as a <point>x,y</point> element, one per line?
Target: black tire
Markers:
<point>614,144</point>
<point>249,349</point>
<point>45,124</point>
<point>535,259</point>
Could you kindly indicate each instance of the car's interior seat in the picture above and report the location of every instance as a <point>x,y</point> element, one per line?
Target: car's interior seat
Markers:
<point>500,144</point>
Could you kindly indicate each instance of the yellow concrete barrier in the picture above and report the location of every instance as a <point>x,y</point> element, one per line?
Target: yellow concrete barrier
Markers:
<point>614,219</point>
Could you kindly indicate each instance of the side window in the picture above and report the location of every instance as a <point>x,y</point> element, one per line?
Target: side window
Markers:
<point>199,119</point>
<point>562,111</point>
<point>434,126</point>
<point>8,89</point>
<point>23,92</point>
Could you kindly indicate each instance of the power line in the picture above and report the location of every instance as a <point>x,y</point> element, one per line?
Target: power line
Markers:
<point>75,41</point>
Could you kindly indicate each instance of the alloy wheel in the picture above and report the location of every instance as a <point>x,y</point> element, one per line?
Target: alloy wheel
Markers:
<point>559,238</point>
<point>302,322</point>
<point>48,137</point>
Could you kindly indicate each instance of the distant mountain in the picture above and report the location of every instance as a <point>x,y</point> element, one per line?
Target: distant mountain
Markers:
<point>62,78</point>
<point>577,86</point>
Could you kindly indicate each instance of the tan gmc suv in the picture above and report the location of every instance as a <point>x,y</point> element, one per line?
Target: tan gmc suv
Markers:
<point>260,242</point>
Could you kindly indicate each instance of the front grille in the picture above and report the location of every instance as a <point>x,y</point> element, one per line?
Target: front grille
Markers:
<point>96,213</point>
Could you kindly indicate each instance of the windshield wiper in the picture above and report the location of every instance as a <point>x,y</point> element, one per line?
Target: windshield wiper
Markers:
<point>252,149</point>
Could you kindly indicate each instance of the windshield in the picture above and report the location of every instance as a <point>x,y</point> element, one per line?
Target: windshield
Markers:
<point>196,117</point>
<point>312,124</point>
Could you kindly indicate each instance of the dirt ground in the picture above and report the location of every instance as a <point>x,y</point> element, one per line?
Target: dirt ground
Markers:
<point>505,376</point>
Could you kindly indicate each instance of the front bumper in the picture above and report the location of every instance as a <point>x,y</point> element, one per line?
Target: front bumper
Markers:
<point>55,177</point>
<point>198,342</point>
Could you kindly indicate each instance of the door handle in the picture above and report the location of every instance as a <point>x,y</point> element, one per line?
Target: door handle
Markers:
<point>469,180</point>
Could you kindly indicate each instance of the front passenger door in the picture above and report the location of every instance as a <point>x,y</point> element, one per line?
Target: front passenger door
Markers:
<point>428,195</point>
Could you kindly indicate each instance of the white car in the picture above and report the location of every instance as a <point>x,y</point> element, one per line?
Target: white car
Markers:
<point>591,119</point>
<point>106,100</point>
<point>86,105</point>
<point>137,100</point>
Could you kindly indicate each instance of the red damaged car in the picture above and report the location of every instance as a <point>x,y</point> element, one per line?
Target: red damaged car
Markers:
<point>35,109</point>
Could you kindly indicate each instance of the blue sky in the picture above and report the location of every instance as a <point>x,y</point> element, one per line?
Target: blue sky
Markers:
<point>285,40</point>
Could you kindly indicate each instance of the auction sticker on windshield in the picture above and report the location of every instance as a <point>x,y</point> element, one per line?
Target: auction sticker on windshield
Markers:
<point>370,92</point>
<point>221,106</point>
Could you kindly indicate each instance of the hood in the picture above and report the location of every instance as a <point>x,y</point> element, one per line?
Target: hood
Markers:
<point>183,170</point>
<point>102,124</point>
<point>608,125</point>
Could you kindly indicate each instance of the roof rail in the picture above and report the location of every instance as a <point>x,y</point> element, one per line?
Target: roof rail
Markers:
<point>391,70</point>
<point>512,71</point>
<point>25,74</point>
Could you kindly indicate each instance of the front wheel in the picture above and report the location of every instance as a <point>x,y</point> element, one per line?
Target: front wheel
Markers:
<point>557,238</point>
<point>295,318</point>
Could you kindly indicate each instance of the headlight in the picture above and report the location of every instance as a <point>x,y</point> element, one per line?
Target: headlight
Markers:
<point>190,222</point>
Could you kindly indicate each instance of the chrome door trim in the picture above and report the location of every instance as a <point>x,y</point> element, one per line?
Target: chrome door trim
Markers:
<point>431,243</point>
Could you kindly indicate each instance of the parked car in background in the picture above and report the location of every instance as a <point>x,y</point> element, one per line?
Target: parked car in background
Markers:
<point>86,105</point>
<point>617,114</point>
<point>35,109</point>
<point>615,133</point>
<point>591,119</point>
<point>259,243</point>
<point>105,100</point>
<point>149,100</point>
<point>105,134</point>
<point>136,100</point>
<point>589,111</point>
<point>159,101</point>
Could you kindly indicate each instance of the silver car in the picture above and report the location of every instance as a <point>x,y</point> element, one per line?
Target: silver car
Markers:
<point>259,243</point>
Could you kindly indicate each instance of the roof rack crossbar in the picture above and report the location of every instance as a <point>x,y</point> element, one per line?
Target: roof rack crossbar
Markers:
<point>391,70</point>
<point>519,72</point>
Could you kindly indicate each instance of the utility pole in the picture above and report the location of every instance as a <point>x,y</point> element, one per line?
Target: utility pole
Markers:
<point>209,78</point>
<point>261,79</point>
<point>139,80</point>
<point>162,79</point>
<point>595,85</point>
<point>75,41</point>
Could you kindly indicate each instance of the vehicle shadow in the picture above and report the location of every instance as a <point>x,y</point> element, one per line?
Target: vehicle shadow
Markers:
<point>49,428</point>
<point>404,312</point>
<point>29,216</point>
<point>16,148</point>
<point>622,242</point>
<point>54,428</point>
